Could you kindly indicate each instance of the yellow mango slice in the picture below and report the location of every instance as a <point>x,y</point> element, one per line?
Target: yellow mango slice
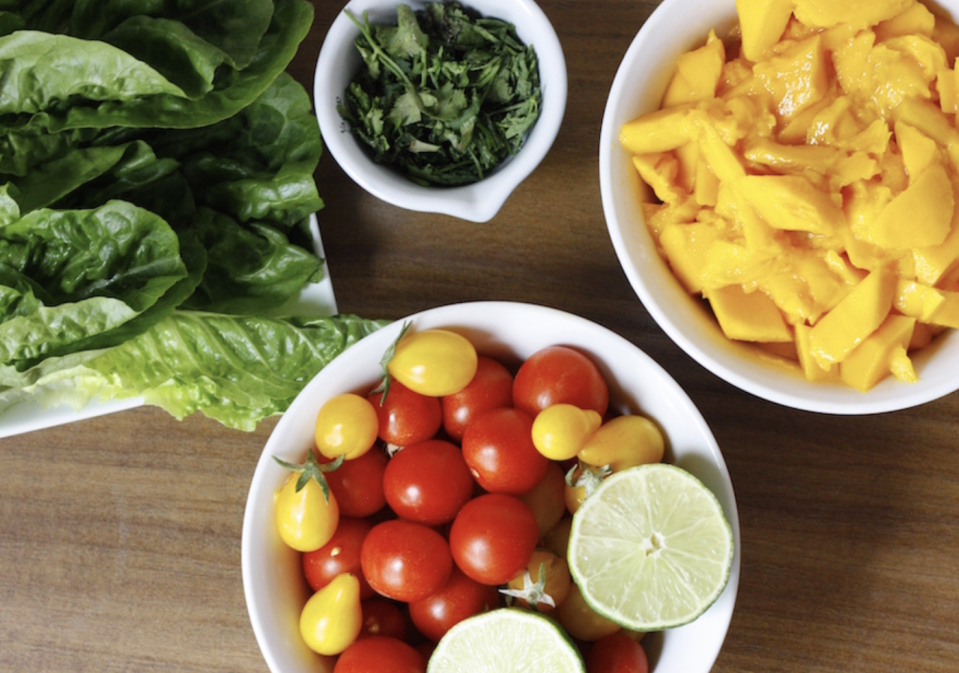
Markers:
<point>879,354</point>
<point>718,155</point>
<point>928,118</point>
<point>921,337</point>
<point>935,262</point>
<point>811,369</point>
<point>916,19</point>
<point>920,216</point>
<point>660,131</point>
<point>748,316</point>
<point>919,151</point>
<point>762,23</point>
<point>856,13</point>
<point>791,203</point>
<point>686,247</point>
<point>946,33</point>
<point>697,73</point>
<point>946,88</point>
<point>853,319</point>
<point>927,304</point>
<point>832,164</point>
<point>797,77</point>
<point>706,189</point>
<point>688,158</point>
<point>660,172</point>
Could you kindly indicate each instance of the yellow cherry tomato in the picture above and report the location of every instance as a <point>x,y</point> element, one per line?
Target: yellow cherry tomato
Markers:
<point>306,512</point>
<point>625,441</point>
<point>333,617</point>
<point>544,582</point>
<point>346,425</point>
<point>581,481</point>
<point>561,430</point>
<point>434,362</point>
<point>580,620</point>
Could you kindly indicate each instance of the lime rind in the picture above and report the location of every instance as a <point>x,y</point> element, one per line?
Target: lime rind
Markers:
<point>651,549</point>
<point>506,640</point>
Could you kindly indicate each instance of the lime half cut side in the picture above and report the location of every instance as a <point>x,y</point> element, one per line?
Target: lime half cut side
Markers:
<point>651,549</point>
<point>505,640</point>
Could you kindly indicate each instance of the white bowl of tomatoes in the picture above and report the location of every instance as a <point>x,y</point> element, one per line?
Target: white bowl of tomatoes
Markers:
<point>431,510</point>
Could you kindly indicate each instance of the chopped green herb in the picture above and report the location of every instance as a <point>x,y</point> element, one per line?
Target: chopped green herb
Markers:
<point>445,95</point>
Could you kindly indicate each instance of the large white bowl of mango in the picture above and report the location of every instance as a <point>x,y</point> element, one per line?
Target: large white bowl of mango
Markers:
<point>780,180</point>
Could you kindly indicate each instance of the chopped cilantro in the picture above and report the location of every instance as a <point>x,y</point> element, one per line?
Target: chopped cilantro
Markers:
<point>445,95</point>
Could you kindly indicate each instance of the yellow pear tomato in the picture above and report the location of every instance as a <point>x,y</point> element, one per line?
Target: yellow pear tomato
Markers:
<point>332,618</point>
<point>346,425</point>
<point>434,362</point>
<point>561,430</point>
<point>306,512</point>
<point>624,441</point>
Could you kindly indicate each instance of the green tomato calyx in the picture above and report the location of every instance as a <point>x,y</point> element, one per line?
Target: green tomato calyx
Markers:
<point>312,469</point>
<point>384,386</point>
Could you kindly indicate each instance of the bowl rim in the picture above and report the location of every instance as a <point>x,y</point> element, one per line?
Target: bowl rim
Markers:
<point>477,202</point>
<point>673,309</point>
<point>474,316</point>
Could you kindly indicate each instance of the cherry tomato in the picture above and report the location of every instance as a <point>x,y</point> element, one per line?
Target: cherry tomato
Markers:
<point>580,483</point>
<point>490,388</point>
<point>617,653</point>
<point>530,587</point>
<point>580,620</point>
<point>332,618</point>
<point>557,538</point>
<point>493,537</point>
<point>405,561</point>
<point>559,374</point>
<point>546,499</point>
<point>406,417</point>
<point>306,511</point>
<point>346,425</point>
<point>498,447</point>
<point>340,555</point>
<point>383,617</point>
<point>433,362</point>
<point>358,484</point>
<point>624,441</point>
<point>560,431</point>
<point>380,654</point>
<point>460,597</point>
<point>428,482</point>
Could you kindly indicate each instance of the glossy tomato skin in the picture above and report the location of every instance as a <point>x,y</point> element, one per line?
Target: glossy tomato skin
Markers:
<point>498,447</point>
<point>332,617</point>
<point>493,538</point>
<point>383,617</point>
<point>559,374</point>
<point>546,499</point>
<point>306,518</point>
<point>340,555</point>
<point>406,417</point>
<point>358,484</point>
<point>405,561</point>
<point>433,362</point>
<point>380,654</point>
<point>490,388</point>
<point>428,482</point>
<point>617,653</point>
<point>460,597</point>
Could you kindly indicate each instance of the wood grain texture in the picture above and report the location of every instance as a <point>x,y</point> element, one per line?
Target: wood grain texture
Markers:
<point>120,535</point>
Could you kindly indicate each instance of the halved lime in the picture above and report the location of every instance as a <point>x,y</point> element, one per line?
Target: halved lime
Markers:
<point>505,640</point>
<point>651,548</point>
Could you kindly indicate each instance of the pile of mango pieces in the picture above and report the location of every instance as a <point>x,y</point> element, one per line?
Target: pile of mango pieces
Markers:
<point>805,176</point>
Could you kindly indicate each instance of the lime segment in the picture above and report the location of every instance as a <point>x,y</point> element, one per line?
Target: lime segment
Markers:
<point>506,640</point>
<point>651,548</point>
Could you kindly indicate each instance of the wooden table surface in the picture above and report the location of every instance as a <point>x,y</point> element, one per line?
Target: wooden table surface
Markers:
<point>120,535</point>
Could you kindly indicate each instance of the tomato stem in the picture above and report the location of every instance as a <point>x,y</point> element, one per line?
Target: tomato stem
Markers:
<point>388,354</point>
<point>312,469</point>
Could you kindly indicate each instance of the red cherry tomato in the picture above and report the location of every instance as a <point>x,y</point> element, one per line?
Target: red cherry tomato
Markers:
<point>547,499</point>
<point>340,555</point>
<point>382,617</point>
<point>617,653</point>
<point>493,538</point>
<point>498,447</point>
<point>405,561</point>
<point>428,482</point>
<point>490,388</point>
<point>559,374</point>
<point>406,417</point>
<point>380,654</point>
<point>460,597</point>
<point>358,484</point>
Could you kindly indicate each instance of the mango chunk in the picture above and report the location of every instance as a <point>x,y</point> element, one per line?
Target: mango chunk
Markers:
<point>855,13</point>
<point>880,353</point>
<point>762,23</point>
<point>935,262</point>
<point>791,202</point>
<point>697,73</point>
<point>811,369</point>
<point>797,77</point>
<point>660,172</point>
<point>660,131</point>
<point>921,216</point>
<point>686,247</point>
<point>927,304</point>
<point>853,319</point>
<point>916,19</point>
<point>919,151</point>
<point>748,316</point>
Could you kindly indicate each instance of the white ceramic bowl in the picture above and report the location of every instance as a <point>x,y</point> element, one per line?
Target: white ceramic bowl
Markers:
<point>272,578</point>
<point>673,28</point>
<point>339,61</point>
